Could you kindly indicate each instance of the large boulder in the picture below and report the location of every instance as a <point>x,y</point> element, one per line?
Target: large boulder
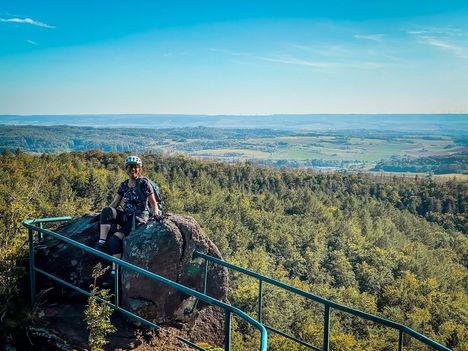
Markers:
<point>66,261</point>
<point>165,248</point>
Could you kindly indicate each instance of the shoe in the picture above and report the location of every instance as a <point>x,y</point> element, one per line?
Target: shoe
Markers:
<point>100,246</point>
<point>108,281</point>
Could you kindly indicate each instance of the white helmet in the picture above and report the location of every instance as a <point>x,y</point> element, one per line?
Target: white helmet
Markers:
<point>133,160</point>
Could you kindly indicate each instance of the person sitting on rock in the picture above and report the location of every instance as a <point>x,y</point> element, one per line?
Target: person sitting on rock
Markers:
<point>134,193</point>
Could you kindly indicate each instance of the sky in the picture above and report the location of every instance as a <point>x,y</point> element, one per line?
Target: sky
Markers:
<point>233,57</point>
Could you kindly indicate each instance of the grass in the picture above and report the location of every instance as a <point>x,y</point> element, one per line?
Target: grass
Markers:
<point>364,150</point>
<point>451,176</point>
<point>241,153</point>
<point>291,154</point>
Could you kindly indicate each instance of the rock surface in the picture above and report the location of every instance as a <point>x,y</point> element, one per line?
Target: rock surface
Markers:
<point>164,248</point>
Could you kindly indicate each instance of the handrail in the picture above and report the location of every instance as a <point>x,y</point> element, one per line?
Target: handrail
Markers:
<point>47,220</point>
<point>328,305</point>
<point>229,310</point>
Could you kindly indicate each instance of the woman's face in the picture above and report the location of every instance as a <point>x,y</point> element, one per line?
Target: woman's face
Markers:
<point>133,171</point>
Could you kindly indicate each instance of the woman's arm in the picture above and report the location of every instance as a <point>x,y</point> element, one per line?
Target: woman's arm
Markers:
<point>115,203</point>
<point>154,205</point>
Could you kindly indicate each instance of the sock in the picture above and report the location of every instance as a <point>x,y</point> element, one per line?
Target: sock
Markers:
<point>102,241</point>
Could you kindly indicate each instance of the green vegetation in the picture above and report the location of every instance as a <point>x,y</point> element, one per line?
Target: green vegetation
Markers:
<point>98,313</point>
<point>344,149</point>
<point>456,163</point>
<point>393,247</point>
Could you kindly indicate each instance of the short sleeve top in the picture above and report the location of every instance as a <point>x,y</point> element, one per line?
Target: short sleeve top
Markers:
<point>132,202</point>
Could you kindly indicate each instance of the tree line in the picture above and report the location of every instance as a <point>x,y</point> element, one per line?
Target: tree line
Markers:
<point>441,164</point>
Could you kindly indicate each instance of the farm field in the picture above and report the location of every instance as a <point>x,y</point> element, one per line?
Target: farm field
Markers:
<point>329,148</point>
<point>453,176</point>
<point>357,150</point>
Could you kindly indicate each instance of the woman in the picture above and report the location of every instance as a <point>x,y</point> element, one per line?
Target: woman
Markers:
<point>135,193</point>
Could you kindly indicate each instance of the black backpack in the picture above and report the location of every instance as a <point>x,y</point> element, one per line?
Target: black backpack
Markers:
<point>156,191</point>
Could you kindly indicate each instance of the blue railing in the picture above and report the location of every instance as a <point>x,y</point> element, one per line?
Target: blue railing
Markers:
<point>229,310</point>
<point>328,306</point>
<point>37,226</point>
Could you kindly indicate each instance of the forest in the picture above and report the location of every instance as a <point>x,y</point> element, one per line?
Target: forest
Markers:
<point>394,248</point>
<point>71,138</point>
<point>455,163</point>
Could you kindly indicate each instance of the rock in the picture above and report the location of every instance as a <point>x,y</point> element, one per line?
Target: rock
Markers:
<point>45,339</point>
<point>66,321</point>
<point>164,248</point>
<point>66,261</point>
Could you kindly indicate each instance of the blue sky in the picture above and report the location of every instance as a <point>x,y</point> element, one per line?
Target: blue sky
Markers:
<point>233,57</point>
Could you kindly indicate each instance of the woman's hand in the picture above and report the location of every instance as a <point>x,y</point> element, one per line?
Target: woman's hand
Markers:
<point>155,217</point>
<point>115,203</point>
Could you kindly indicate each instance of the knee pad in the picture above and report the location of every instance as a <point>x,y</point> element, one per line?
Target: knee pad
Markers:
<point>106,216</point>
<point>115,245</point>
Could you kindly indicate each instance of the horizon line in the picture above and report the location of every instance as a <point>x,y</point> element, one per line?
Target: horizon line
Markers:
<point>235,115</point>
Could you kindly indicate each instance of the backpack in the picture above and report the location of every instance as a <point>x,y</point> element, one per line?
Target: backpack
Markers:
<point>156,191</point>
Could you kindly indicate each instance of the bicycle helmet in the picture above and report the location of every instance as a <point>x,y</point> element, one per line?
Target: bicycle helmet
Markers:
<point>133,160</point>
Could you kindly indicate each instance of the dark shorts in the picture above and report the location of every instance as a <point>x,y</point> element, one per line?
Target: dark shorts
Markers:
<point>126,221</point>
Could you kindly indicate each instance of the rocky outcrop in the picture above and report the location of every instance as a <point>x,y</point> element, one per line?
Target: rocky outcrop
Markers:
<point>66,261</point>
<point>165,248</point>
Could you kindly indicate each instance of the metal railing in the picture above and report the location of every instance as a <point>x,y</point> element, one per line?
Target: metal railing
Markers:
<point>228,309</point>
<point>328,306</point>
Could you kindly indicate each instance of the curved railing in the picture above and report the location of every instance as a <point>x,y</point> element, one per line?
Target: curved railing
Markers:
<point>328,306</point>
<point>37,226</point>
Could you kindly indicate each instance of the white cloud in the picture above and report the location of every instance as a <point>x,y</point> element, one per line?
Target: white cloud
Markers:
<point>443,38</point>
<point>372,37</point>
<point>339,61</point>
<point>232,53</point>
<point>445,31</point>
<point>277,59</point>
<point>417,32</point>
<point>324,50</point>
<point>445,45</point>
<point>27,21</point>
<point>324,64</point>
<point>32,42</point>
<point>300,62</point>
<point>446,39</point>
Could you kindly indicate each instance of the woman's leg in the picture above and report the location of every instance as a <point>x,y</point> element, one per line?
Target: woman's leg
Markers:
<point>116,246</point>
<point>108,215</point>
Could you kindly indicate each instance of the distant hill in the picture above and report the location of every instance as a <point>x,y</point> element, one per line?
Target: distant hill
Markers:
<point>409,122</point>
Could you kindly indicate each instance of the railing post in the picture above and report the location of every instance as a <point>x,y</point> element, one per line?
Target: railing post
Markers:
<point>32,272</point>
<point>116,285</point>
<point>227,330</point>
<point>205,276</point>
<point>41,236</point>
<point>260,299</point>
<point>400,341</point>
<point>326,328</point>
